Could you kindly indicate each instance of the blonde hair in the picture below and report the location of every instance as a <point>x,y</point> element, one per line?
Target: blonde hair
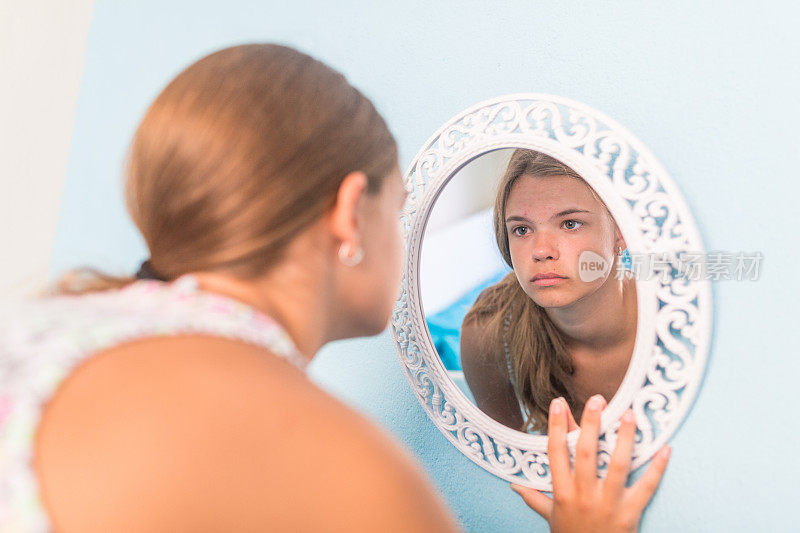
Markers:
<point>540,363</point>
<point>240,152</point>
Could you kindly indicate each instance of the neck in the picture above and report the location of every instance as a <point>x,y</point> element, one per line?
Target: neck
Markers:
<point>290,294</point>
<point>599,332</point>
<point>601,321</point>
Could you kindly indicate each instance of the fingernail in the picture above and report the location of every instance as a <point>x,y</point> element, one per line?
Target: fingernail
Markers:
<point>514,488</point>
<point>666,451</point>
<point>556,407</point>
<point>595,403</point>
<point>628,416</point>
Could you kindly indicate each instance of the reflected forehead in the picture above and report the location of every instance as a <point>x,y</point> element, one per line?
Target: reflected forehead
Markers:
<point>545,194</point>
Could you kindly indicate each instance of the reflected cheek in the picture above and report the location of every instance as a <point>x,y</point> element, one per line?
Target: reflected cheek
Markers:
<point>522,268</point>
<point>518,256</point>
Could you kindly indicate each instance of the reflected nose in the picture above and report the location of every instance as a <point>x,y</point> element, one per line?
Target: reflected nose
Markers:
<point>544,247</point>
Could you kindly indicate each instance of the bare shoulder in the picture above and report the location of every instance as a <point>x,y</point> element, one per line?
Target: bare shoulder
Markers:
<point>484,366</point>
<point>478,352</point>
<point>207,434</point>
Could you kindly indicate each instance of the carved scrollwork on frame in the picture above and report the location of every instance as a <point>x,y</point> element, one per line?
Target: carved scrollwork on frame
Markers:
<point>674,319</point>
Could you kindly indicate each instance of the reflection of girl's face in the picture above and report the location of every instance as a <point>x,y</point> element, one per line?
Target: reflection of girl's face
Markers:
<point>550,221</point>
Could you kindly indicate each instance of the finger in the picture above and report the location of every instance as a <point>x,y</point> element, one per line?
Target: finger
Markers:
<point>586,450</point>
<point>620,464</point>
<point>643,490</point>
<point>535,500</point>
<point>557,452</point>
<point>571,424</point>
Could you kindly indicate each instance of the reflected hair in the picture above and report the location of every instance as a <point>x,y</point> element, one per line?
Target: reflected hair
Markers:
<point>506,316</point>
<point>243,150</point>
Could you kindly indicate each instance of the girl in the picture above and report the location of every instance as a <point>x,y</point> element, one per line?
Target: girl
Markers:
<point>550,328</point>
<point>268,192</point>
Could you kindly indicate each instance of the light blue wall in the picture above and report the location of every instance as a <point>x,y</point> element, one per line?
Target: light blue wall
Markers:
<point>712,89</point>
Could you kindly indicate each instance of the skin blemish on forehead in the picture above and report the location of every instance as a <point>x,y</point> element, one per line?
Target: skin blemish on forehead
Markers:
<point>532,199</point>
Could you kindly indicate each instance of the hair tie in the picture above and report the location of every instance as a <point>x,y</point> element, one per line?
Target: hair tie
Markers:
<point>146,272</point>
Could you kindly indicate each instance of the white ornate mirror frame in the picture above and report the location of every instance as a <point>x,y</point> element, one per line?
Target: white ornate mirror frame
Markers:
<point>674,310</point>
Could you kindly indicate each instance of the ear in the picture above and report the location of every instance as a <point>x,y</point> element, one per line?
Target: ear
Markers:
<point>343,216</point>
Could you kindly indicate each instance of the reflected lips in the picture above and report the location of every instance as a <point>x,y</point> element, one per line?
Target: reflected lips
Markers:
<point>547,279</point>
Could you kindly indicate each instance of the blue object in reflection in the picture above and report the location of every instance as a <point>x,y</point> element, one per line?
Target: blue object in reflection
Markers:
<point>626,259</point>
<point>445,326</point>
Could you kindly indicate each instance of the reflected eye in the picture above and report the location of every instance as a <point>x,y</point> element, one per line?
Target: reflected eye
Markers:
<point>515,232</point>
<point>571,224</point>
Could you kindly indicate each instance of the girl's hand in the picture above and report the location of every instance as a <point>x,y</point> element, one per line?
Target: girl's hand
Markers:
<point>571,424</point>
<point>582,502</point>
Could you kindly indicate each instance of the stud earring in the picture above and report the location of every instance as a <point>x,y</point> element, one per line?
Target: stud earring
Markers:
<point>624,257</point>
<point>347,258</point>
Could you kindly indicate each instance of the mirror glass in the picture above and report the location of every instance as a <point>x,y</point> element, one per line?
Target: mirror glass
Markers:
<point>527,287</point>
